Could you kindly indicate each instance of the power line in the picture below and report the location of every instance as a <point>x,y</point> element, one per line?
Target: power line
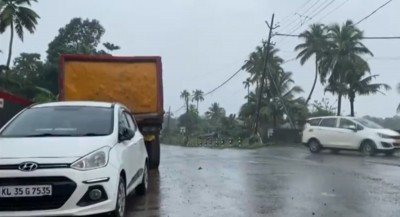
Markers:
<point>213,90</point>
<point>304,14</point>
<point>373,12</point>
<point>335,9</point>
<point>294,12</point>
<point>366,37</point>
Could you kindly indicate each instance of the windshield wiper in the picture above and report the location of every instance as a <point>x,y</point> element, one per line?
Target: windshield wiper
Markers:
<point>93,134</point>
<point>48,135</point>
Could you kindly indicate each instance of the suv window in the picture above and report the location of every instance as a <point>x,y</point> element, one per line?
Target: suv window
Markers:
<point>130,121</point>
<point>314,122</point>
<point>328,122</point>
<point>61,121</point>
<point>345,123</point>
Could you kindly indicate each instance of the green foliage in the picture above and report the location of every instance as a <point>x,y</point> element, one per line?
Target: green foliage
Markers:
<point>17,16</point>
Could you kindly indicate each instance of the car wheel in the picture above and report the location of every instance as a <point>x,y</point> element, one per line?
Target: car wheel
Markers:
<point>142,188</point>
<point>121,199</point>
<point>389,153</point>
<point>368,148</point>
<point>314,146</point>
<point>335,151</point>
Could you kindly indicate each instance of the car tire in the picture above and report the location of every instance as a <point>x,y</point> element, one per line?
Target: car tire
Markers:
<point>368,148</point>
<point>335,151</point>
<point>142,188</point>
<point>154,153</point>
<point>314,146</point>
<point>389,152</point>
<point>120,206</point>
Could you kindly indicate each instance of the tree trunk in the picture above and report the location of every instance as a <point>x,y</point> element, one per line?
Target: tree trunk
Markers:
<point>339,108</point>
<point>352,105</point>
<point>315,81</point>
<point>274,120</point>
<point>10,47</point>
<point>248,94</point>
<point>197,102</point>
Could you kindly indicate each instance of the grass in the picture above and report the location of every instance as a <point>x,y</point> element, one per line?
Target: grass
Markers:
<point>179,141</point>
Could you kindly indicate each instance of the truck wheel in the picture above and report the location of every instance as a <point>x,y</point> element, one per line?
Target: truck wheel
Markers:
<point>153,150</point>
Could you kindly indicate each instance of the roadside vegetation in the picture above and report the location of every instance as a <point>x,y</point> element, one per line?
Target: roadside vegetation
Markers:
<point>336,50</point>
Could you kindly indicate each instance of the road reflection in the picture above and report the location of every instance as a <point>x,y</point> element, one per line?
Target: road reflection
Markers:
<point>148,205</point>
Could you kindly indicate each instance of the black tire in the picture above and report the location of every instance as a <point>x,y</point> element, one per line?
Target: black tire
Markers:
<point>153,151</point>
<point>335,151</point>
<point>314,146</point>
<point>368,148</point>
<point>389,152</point>
<point>120,206</point>
<point>142,188</point>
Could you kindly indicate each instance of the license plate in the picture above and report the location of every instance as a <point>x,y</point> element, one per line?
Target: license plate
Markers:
<point>26,191</point>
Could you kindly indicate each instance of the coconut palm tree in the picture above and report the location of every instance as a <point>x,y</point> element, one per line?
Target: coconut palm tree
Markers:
<point>344,49</point>
<point>246,84</point>
<point>198,96</point>
<point>17,16</point>
<point>315,41</point>
<point>215,112</point>
<point>185,96</point>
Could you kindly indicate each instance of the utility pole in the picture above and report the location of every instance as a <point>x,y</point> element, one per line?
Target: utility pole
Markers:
<point>264,72</point>
<point>169,118</point>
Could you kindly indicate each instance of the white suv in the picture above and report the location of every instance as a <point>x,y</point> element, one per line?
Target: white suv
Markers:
<point>349,133</point>
<point>71,159</point>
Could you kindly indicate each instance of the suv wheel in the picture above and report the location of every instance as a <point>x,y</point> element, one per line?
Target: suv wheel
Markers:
<point>368,148</point>
<point>314,146</point>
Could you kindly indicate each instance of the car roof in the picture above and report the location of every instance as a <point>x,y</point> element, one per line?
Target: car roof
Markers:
<point>75,103</point>
<point>333,116</point>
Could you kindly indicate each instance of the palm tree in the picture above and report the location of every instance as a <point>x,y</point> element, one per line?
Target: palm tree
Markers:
<point>198,96</point>
<point>344,49</point>
<point>215,112</point>
<point>315,41</point>
<point>185,96</point>
<point>246,84</point>
<point>15,14</point>
<point>356,83</point>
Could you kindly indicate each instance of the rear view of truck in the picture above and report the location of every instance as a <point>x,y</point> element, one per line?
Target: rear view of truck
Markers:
<point>135,82</point>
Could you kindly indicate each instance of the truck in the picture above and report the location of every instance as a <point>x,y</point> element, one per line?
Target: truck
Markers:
<point>135,82</point>
<point>10,105</point>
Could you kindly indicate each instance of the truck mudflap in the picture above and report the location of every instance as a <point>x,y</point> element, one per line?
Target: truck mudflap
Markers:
<point>152,142</point>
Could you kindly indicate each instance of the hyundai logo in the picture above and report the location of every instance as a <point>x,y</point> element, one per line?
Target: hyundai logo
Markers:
<point>28,166</point>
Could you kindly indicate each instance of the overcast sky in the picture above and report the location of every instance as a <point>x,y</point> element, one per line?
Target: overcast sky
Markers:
<point>202,43</point>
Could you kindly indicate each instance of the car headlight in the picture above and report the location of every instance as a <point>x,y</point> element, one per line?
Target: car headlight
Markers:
<point>384,136</point>
<point>94,160</point>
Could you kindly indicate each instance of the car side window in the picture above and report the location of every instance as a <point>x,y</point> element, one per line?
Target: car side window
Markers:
<point>123,121</point>
<point>314,122</point>
<point>328,122</point>
<point>346,123</point>
<point>130,121</point>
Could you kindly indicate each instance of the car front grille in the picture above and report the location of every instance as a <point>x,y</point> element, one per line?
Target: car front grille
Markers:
<point>62,191</point>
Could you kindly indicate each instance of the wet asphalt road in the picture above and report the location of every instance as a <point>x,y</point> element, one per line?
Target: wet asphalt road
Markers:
<point>275,181</point>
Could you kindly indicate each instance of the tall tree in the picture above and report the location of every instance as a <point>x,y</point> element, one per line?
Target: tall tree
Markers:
<point>27,68</point>
<point>185,96</point>
<point>247,84</point>
<point>198,96</point>
<point>344,49</point>
<point>17,16</point>
<point>315,41</point>
<point>215,112</point>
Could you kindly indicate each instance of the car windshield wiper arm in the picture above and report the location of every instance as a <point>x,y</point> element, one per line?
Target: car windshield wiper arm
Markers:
<point>48,135</point>
<point>93,134</point>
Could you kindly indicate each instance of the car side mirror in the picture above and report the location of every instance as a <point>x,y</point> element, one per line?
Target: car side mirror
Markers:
<point>352,127</point>
<point>125,134</point>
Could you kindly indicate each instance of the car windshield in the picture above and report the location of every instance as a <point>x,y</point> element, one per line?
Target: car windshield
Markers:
<point>368,123</point>
<point>61,121</point>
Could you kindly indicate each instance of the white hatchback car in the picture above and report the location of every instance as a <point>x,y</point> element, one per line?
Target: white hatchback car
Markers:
<point>71,159</point>
<point>349,133</point>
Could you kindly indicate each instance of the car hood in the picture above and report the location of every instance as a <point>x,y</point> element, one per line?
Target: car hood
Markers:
<point>51,147</point>
<point>388,132</point>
